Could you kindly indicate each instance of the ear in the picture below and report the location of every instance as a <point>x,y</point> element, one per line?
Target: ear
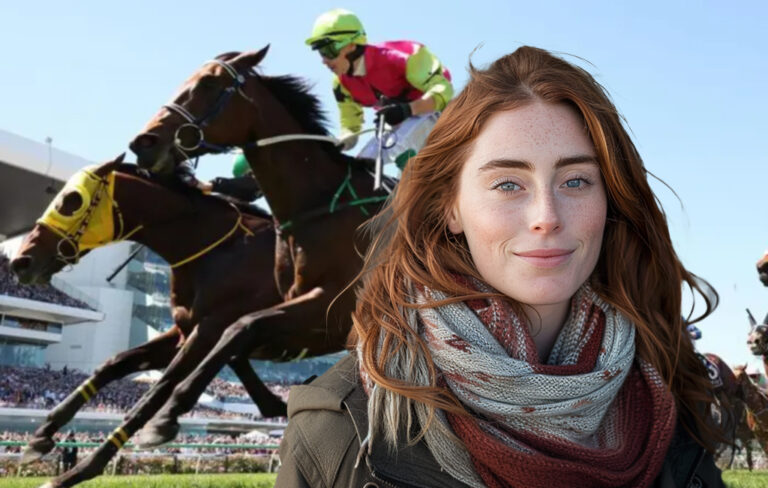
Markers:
<point>110,166</point>
<point>454,220</point>
<point>251,58</point>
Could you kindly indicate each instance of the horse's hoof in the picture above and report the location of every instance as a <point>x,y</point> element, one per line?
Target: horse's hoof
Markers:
<point>36,449</point>
<point>48,485</point>
<point>153,435</point>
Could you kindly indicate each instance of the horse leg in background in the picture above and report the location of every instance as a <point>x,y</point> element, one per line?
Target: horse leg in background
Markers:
<point>236,341</point>
<point>270,405</point>
<point>197,345</point>
<point>748,447</point>
<point>155,354</point>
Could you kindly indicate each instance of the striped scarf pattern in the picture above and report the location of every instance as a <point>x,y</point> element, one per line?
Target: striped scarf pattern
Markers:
<point>593,415</point>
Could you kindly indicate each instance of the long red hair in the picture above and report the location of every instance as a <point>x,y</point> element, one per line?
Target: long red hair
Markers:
<point>638,271</point>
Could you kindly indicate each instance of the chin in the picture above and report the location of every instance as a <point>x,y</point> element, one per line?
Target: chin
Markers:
<point>542,291</point>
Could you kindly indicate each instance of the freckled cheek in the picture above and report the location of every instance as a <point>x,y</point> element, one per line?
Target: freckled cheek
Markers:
<point>489,230</point>
<point>589,223</point>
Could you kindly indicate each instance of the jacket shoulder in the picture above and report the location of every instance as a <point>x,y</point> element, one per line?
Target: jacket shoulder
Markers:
<point>320,440</point>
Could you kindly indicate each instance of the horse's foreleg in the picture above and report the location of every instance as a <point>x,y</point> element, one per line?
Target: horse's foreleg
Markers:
<point>236,341</point>
<point>233,342</point>
<point>191,353</point>
<point>270,405</point>
<point>155,354</point>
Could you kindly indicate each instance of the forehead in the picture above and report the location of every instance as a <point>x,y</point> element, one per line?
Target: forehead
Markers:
<point>207,69</point>
<point>533,132</point>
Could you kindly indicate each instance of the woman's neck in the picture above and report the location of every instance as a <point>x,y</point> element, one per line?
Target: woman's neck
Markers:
<point>546,322</point>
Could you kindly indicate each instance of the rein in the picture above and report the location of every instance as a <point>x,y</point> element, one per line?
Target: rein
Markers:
<point>238,225</point>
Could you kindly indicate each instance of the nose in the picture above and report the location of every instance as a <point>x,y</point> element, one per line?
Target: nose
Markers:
<point>545,216</point>
<point>20,266</point>
<point>145,145</point>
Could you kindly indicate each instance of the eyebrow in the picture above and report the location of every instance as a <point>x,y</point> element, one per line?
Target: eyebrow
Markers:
<point>501,163</point>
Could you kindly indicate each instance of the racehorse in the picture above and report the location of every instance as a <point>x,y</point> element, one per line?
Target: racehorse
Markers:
<point>731,391</point>
<point>222,261</point>
<point>318,196</point>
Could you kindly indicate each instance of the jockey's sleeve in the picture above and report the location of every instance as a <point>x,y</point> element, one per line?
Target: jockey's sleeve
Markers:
<point>425,72</point>
<point>350,112</point>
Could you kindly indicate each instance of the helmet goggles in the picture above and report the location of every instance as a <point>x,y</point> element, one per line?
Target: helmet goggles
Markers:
<point>329,48</point>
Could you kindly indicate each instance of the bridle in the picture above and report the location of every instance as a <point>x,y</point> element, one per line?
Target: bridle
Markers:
<point>197,124</point>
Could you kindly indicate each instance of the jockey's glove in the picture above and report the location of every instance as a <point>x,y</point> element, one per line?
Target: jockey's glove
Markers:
<point>244,188</point>
<point>395,113</point>
<point>348,141</point>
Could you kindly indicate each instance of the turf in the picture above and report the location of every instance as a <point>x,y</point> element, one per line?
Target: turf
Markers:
<point>258,480</point>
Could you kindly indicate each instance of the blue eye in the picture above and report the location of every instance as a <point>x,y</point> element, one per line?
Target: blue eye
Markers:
<point>508,186</point>
<point>576,183</point>
<point>573,183</point>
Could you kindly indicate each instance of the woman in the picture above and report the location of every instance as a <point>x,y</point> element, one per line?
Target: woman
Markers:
<point>519,318</point>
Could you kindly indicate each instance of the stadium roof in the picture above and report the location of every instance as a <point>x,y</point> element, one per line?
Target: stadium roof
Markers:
<point>47,312</point>
<point>31,173</point>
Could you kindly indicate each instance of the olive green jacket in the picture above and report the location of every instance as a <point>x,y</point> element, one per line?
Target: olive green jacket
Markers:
<point>328,419</point>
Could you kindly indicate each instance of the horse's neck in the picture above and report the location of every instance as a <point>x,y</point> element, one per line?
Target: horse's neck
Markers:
<point>172,226</point>
<point>296,176</point>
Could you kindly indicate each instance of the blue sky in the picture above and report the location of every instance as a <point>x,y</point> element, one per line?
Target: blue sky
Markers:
<point>688,76</point>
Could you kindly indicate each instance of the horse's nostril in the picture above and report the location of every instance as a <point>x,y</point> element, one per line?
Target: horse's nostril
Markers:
<point>21,263</point>
<point>143,142</point>
<point>147,141</point>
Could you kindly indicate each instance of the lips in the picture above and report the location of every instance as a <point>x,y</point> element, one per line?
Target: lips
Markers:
<point>545,258</point>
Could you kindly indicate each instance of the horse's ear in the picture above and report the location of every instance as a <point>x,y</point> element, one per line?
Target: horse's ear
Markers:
<point>109,166</point>
<point>251,58</point>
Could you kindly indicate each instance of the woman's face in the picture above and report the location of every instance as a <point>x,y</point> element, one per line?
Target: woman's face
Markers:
<point>532,204</point>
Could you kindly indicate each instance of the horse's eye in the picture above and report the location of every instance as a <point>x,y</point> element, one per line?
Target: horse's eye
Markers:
<point>69,203</point>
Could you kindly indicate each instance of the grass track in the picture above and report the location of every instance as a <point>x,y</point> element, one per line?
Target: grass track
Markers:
<point>257,480</point>
<point>741,478</point>
<point>733,479</point>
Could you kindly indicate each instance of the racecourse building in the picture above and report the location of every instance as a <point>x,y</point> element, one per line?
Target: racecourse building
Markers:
<point>82,319</point>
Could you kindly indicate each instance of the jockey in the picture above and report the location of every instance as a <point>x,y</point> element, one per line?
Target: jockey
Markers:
<point>243,186</point>
<point>403,80</point>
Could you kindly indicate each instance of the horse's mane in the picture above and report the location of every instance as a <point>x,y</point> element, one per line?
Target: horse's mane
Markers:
<point>295,94</point>
<point>174,184</point>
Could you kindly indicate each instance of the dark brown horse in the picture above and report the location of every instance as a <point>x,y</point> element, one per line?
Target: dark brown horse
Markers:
<point>319,196</point>
<point>732,392</point>
<point>222,260</point>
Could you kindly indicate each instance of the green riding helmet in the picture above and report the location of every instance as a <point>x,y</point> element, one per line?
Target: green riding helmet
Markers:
<point>240,167</point>
<point>334,30</point>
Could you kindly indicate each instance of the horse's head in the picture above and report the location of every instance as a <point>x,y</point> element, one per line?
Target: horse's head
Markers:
<point>757,340</point>
<point>209,114</point>
<point>77,220</point>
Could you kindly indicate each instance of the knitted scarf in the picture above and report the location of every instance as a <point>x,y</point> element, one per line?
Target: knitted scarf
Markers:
<point>593,415</point>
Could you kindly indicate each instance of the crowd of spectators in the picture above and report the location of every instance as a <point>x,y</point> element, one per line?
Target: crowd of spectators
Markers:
<point>44,293</point>
<point>44,388</point>
<point>99,437</point>
<point>228,391</point>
